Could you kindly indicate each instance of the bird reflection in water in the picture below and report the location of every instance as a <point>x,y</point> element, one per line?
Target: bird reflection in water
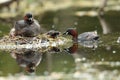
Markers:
<point>72,49</point>
<point>28,59</point>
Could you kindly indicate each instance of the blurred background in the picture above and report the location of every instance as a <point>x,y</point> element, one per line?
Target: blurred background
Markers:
<point>84,15</point>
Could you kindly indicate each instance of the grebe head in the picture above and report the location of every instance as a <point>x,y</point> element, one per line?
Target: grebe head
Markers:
<point>28,18</point>
<point>53,34</point>
<point>72,32</point>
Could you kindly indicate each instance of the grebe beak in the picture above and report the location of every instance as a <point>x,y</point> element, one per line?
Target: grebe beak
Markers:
<point>30,19</point>
<point>65,33</point>
<point>96,38</point>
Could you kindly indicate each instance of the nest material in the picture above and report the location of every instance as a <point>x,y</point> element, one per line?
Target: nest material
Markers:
<point>42,42</point>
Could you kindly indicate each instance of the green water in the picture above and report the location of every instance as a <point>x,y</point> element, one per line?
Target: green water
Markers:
<point>105,58</point>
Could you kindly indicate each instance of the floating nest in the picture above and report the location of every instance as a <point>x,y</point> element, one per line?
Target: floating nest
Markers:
<point>39,42</point>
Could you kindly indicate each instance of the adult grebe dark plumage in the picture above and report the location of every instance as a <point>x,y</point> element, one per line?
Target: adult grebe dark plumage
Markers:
<point>28,27</point>
<point>87,38</point>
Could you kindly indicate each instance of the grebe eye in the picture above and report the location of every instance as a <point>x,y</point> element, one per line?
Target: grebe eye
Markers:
<point>29,15</point>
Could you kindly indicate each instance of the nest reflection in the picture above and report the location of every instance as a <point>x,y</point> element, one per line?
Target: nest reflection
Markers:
<point>29,59</point>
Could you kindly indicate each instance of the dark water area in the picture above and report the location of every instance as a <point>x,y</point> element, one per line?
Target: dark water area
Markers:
<point>104,58</point>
